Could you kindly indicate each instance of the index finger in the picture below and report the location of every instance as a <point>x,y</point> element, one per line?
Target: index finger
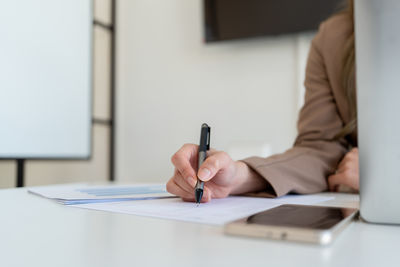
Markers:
<point>184,158</point>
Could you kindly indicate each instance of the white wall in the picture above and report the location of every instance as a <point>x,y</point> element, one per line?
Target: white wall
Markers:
<point>170,81</point>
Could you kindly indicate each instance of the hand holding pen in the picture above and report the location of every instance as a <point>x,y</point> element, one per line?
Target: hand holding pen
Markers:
<point>221,175</point>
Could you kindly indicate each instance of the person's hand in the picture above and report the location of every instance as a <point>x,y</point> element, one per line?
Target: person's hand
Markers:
<point>218,172</point>
<point>222,176</point>
<point>347,173</point>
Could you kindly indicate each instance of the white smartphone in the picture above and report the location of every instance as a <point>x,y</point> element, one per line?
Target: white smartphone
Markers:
<point>313,224</point>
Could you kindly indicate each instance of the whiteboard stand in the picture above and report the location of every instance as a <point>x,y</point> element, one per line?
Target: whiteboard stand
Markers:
<point>111,29</point>
<point>20,172</point>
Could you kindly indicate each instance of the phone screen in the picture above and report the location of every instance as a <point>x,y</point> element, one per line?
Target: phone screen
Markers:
<point>300,216</point>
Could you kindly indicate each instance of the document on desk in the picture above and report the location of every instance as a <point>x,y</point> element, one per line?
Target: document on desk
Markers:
<point>216,212</point>
<point>84,193</point>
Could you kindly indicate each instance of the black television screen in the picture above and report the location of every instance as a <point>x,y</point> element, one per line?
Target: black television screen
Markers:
<point>235,19</point>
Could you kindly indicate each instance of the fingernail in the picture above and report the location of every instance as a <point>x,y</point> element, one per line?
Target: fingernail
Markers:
<point>204,174</point>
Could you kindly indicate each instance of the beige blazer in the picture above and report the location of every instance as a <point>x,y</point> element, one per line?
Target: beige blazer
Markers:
<point>305,167</point>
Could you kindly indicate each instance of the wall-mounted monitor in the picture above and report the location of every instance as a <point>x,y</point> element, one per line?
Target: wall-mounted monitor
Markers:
<point>236,19</point>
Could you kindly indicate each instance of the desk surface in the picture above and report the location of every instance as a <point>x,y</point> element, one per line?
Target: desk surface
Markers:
<point>38,232</point>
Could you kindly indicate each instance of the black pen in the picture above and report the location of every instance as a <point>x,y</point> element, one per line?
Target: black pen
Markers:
<point>203,148</point>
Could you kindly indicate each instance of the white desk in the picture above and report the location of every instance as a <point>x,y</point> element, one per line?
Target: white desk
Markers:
<point>37,232</point>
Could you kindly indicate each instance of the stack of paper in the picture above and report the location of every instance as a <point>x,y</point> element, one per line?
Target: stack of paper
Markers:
<point>150,200</point>
<point>82,194</point>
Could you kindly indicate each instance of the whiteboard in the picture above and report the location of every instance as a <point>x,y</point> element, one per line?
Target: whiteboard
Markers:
<point>45,78</point>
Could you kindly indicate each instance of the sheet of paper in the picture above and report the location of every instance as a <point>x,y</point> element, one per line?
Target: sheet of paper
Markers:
<point>84,193</point>
<point>216,212</point>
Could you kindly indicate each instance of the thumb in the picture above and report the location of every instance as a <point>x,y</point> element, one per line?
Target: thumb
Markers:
<point>212,165</point>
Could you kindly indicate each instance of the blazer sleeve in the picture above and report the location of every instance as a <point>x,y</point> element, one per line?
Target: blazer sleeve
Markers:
<point>315,155</point>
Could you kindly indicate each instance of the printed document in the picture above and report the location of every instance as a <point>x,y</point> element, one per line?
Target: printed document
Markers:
<point>216,212</point>
<point>84,193</point>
